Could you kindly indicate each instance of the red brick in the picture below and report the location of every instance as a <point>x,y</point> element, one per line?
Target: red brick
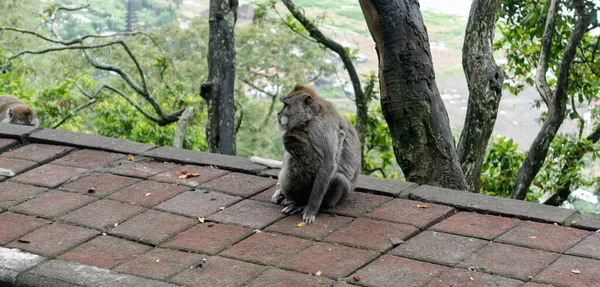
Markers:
<point>465,278</point>
<point>358,203</point>
<point>102,214</point>
<point>282,278</point>
<point>209,240</point>
<point>49,175</point>
<point>198,203</point>
<point>153,227</point>
<point>105,252</point>
<point>160,263</point>
<point>89,159</point>
<point>371,234</point>
<point>16,165</point>
<point>53,203</point>
<point>588,247</point>
<point>240,184</point>
<point>37,152</point>
<point>560,273</point>
<point>543,236</point>
<point>249,213</point>
<point>510,261</point>
<point>218,271</point>
<point>266,195</point>
<point>395,271</point>
<point>103,183</point>
<point>141,167</point>
<point>334,261</point>
<point>13,226</point>
<point>323,226</point>
<point>266,248</point>
<point>206,174</point>
<point>533,284</point>
<point>439,248</point>
<point>147,193</point>
<point>53,240</point>
<point>476,225</point>
<point>7,143</point>
<point>406,211</point>
<point>14,193</point>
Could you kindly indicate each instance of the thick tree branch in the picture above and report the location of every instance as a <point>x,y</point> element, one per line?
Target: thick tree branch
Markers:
<point>541,82</point>
<point>182,126</point>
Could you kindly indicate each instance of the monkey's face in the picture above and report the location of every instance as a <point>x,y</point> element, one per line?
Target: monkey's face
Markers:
<point>21,115</point>
<point>297,110</point>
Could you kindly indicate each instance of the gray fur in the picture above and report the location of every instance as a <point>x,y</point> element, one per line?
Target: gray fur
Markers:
<point>335,143</point>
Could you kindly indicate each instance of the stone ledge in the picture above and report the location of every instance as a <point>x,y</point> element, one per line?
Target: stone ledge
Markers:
<point>64,273</point>
<point>382,186</point>
<point>15,261</point>
<point>228,162</point>
<point>590,221</point>
<point>19,132</point>
<point>494,205</point>
<point>88,141</point>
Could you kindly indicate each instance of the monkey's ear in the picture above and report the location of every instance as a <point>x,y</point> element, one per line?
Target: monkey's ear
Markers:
<point>299,87</point>
<point>10,114</point>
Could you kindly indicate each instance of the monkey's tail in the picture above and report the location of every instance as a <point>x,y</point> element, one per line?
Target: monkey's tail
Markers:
<point>6,172</point>
<point>267,162</point>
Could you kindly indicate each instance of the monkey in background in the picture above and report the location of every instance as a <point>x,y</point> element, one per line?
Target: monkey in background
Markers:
<point>15,111</point>
<point>321,142</point>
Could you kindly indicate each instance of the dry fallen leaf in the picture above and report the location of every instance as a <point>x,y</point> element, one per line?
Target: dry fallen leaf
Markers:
<point>422,206</point>
<point>356,277</point>
<point>533,237</point>
<point>598,231</point>
<point>318,274</point>
<point>116,224</point>
<point>222,208</point>
<point>129,157</point>
<point>23,241</point>
<point>91,190</point>
<point>148,194</point>
<point>301,224</point>
<point>157,260</point>
<point>576,271</point>
<point>201,219</point>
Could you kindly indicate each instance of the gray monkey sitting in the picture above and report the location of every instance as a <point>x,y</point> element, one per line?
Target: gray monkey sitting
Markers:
<point>322,156</point>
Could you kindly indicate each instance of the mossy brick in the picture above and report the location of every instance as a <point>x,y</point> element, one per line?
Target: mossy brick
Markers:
<point>563,272</point>
<point>334,261</point>
<point>53,240</point>
<point>392,271</point>
<point>323,226</point>
<point>89,159</point>
<point>209,240</point>
<point>103,184</point>
<point>476,225</point>
<point>204,174</point>
<point>543,236</point>
<point>105,252</point>
<point>219,271</point>
<point>419,214</point>
<point>160,263</point>
<point>266,248</point>
<point>53,203</point>
<point>249,213</point>
<point>49,175</point>
<point>37,152</point>
<point>198,203</point>
<point>240,184</point>
<point>12,193</point>
<point>439,248</point>
<point>148,193</point>
<point>153,227</point>
<point>13,226</point>
<point>102,214</point>
<point>358,203</point>
<point>371,234</point>
<point>509,261</point>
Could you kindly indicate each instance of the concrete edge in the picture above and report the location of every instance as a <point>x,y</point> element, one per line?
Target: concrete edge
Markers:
<point>14,262</point>
<point>18,132</point>
<point>49,136</point>
<point>589,221</point>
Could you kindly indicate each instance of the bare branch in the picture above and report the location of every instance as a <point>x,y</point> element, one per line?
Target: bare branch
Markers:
<point>541,82</point>
<point>182,126</point>
<point>258,88</point>
<point>138,107</point>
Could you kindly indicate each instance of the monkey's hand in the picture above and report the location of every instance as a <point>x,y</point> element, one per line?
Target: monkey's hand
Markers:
<point>277,197</point>
<point>293,208</point>
<point>308,218</point>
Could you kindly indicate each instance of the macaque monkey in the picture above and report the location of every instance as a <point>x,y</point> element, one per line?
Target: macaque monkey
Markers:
<point>15,111</point>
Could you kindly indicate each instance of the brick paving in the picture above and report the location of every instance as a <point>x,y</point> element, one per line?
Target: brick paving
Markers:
<point>85,205</point>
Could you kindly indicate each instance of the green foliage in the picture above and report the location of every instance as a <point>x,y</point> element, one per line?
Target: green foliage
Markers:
<point>500,166</point>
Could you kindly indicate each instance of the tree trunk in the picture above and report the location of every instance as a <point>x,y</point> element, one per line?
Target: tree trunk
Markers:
<point>218,90</point>
<point>182,126</point>
<point>484,79</point>
<point>410,99</point>
<point>557,101</point>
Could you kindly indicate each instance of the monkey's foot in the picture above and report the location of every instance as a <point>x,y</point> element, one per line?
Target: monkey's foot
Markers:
<point>287,202</point>
<point>293,209</point>
<point>307,218</point>
<point>277,197</point>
